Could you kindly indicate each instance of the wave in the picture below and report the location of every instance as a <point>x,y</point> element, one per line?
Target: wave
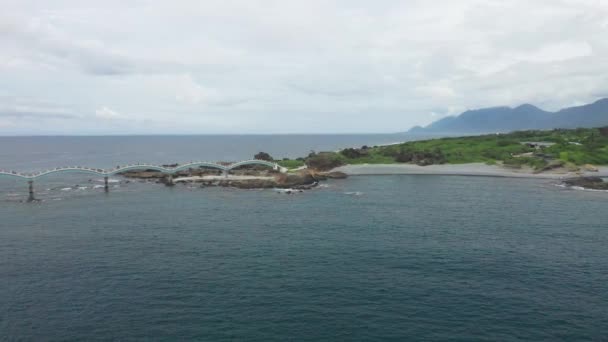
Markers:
<point>578,188</point>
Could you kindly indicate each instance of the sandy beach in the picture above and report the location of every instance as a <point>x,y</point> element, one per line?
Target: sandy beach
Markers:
<point>473,169</point>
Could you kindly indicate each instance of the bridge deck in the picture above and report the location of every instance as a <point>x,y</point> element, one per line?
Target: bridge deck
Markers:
<point>114,171</point>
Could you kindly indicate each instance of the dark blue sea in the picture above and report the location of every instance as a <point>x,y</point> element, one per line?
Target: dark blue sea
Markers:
<point>384,258</point>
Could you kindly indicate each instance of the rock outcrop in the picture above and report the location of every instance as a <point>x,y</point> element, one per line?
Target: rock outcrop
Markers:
<point>595,183</point>
<point>258,179</point>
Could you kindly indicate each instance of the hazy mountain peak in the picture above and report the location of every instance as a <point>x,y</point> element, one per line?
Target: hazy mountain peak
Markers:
<point>527,106</point>
<point>525,116</point>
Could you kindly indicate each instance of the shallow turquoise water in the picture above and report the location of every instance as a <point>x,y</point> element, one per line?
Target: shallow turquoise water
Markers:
<point>406,258</point>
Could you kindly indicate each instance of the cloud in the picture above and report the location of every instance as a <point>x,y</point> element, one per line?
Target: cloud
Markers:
<point>328,66</point>
<point>189,91</point>
<point>31,108</point>
<point>37,41</point>
<point>107,114</point>
<point>437,91</point>
<point>25,114</point>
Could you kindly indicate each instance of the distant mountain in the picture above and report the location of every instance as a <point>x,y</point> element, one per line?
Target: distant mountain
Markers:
<point>526,116</point>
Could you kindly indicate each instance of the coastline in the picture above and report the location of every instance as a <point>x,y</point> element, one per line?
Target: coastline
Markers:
<point>472,169</point>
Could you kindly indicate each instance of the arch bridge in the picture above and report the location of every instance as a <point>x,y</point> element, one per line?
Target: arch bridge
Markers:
<point>105,173</point>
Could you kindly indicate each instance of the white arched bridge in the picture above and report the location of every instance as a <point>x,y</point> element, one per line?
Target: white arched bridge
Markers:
<point>225,168</point>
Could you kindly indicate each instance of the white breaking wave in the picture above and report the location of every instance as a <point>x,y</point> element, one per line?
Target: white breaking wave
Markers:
<point>585,189</point>
<point>579,188</point>
<point>110,180</point>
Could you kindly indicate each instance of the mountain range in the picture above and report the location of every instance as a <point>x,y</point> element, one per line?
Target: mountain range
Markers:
<point>526,116</point>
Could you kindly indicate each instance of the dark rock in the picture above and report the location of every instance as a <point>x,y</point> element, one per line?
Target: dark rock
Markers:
<point>296,179</point>
<point>319,176</point>
<point>595,183</point>
<point>249,184</point>
<point>552,165</point>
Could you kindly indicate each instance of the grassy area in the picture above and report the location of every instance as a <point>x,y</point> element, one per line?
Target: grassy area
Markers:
<point>291,163</point>
<point>571,147</point>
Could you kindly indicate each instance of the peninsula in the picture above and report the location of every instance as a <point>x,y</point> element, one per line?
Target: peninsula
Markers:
<point>552,154</point>
<point>565,154</point>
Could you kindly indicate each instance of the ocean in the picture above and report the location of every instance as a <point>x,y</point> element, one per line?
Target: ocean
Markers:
<point>368,258</point>
<point>35,153</point>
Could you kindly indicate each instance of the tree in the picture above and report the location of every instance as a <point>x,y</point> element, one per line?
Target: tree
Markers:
<point>263,156</point>
<point>350,153</point>
<point>324,161</point>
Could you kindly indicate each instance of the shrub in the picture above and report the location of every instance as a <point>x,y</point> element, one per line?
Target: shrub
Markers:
<point>506,142</point>
<point>351,153</point>
<point>423,158</point>
<point>263,156</point>
<point>404,156</point>
<point>324,161</point>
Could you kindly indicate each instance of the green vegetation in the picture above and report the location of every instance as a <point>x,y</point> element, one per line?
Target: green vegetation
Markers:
<point>291,163</point>
<point>567,147</point>
<point>263,156</point>
<point>324,160</point>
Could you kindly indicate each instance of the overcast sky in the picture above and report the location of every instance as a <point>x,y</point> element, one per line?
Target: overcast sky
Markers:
<point>135,66</point>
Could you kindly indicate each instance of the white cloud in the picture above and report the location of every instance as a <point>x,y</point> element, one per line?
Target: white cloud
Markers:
<point>561,51</point>
<point>107,114</point>
<point>437,91</point>
<point>188,91</point>
<point>331,66</point>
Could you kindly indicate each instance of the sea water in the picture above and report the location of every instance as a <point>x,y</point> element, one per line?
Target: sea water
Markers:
<point>365,258</point>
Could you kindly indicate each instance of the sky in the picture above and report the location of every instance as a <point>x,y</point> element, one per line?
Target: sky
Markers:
<point>256,67</point>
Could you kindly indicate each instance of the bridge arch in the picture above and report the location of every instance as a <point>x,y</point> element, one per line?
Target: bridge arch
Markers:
<point>30,177</point>
<point>11,174</point>
<point>254,162</point>
<point>137,167</point>
<point>96,172</point>
<point>198,164</point>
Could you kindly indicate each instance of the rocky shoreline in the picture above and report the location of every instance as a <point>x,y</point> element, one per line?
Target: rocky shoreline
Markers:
<point>589,183</point>
<point>257,177</point>
<point>247,178</point>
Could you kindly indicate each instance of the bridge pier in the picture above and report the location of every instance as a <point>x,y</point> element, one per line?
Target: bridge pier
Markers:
<point>30,197</point>
<point>225,173</point>
<point>106,187</point>
<point>169,181</point>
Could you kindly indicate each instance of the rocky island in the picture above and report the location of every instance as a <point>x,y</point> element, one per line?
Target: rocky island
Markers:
<point>564,154</point>
<point>245,177</point>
